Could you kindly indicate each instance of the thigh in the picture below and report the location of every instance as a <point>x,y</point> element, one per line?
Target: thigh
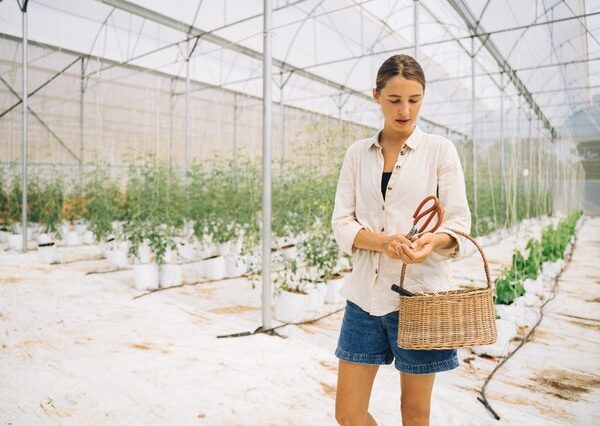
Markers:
<point>363,338</point>
<point>415,397</point>
<point>354,385</point>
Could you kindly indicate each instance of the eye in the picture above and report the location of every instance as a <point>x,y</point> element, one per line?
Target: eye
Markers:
<point>413,102</point>
<point>395,102</point>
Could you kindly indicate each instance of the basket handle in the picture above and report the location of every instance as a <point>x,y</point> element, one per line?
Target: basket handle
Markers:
<point>468,237</point>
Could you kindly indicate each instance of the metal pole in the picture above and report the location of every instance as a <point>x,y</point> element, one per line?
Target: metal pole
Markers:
<point>473,135</point>
<point>171,108</point>
<point>25,140</point>
<point>266,199</point>
<point>235,119</point>
<point>416,17</point>
<point>187,113</point>
<point>81,95</point>
<point>282,127</point>
<point>502,166</point>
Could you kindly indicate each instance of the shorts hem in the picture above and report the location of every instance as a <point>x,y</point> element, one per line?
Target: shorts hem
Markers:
<point>432,367</point>
<point>363,358</point>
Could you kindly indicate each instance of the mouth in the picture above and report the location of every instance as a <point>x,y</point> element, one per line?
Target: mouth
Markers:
<point>402,122</point>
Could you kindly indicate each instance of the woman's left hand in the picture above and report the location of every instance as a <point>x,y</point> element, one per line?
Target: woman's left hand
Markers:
<point>419,250</point>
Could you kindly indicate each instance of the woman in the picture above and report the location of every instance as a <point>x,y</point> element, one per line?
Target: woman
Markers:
<point>382,181</point>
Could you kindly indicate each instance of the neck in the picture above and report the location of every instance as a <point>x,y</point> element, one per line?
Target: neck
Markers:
<point>395,137</point>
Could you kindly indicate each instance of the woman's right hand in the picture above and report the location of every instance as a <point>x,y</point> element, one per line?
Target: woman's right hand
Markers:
<point>391,246</point>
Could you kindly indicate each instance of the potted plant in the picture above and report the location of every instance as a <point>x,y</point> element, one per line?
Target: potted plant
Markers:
<point>321,252</point>
<point>74,209</point>
<point>5,219</point>
<point>104,205</point>
<point>292,301</point>
<point>50,209</point>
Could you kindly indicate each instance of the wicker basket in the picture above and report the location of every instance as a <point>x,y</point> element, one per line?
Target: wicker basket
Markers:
<point>450,319</point>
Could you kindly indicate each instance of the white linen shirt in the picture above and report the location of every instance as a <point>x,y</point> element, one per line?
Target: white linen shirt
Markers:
<point>430,162</point>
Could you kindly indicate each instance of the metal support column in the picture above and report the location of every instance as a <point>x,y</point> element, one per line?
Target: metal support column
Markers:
<point>474,147</point>
<point>24,154</point>
<point>187,113</point>
<point>267,291</point>
<point>81,116</point>
<point>416,26</point>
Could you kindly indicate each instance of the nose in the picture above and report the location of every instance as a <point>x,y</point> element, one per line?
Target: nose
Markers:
<point>403,110</point>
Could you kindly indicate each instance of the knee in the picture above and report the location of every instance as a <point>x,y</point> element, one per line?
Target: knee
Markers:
<point>348,418</point>
<point>415,413</point>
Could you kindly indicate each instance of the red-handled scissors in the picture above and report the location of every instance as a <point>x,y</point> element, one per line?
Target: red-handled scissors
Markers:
<point>431,212</point>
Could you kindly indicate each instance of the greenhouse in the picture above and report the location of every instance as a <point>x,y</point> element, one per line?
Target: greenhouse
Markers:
<point>191,221</point>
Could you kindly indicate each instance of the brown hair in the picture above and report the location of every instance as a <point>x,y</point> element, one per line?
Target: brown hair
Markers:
<point>402,65</point>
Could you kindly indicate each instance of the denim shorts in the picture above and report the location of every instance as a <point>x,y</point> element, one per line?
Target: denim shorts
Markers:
<point>370,339</point>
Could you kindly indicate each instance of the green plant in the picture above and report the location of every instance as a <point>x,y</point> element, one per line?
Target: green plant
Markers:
<point>104,203</point>
<point>507,291</point>
<point>51,204</point>
<point>321,251</point>
<point>159,237</point>
<point>4,197</point>
<point>288,277</point>
<point>552,246</point>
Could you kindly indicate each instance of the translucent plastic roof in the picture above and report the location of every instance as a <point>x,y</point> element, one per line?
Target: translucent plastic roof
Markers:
<point>326,52</point>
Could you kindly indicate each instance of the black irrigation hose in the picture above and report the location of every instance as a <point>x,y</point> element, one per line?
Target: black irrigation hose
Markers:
<point>271,330</point>
<point>483,398</point>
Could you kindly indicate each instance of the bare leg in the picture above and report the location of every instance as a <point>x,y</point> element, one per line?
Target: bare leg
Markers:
<point>355,382</point>
<point>415,398</point>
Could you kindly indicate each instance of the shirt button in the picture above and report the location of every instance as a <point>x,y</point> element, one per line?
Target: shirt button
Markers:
<point>376,271</point>
<point>383,207</point>
<point>389,188</point>
<point>398,166</point>
<point>382,229</point>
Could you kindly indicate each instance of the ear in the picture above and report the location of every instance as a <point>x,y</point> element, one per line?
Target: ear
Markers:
<point>375,96</point>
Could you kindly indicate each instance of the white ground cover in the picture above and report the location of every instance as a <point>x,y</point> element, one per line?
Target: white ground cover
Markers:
<point>78,349</point>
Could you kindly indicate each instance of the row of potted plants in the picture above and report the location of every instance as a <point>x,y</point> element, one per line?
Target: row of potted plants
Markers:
<point>550,248</point>
<point>521,289</point>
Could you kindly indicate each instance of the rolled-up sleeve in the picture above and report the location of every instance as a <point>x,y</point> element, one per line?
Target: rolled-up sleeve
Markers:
<point>343,220</point>
<point>453,200</point>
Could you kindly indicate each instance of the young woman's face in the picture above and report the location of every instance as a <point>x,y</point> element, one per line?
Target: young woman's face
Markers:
<point>400,101</point>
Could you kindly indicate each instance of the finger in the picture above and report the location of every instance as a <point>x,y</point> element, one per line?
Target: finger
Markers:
<point>408,252</point>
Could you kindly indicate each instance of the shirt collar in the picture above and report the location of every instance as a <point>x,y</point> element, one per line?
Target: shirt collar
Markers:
<point>412,142</point>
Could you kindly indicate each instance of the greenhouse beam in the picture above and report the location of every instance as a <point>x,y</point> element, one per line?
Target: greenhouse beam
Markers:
<point>467,16</point>
<point>284,66</point>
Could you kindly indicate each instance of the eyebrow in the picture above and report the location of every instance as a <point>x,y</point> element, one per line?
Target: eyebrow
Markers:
<point>398,96</point>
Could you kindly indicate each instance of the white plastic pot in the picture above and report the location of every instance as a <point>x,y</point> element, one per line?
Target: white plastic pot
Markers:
<point>47,253</point>
<point>291,307</point>
<point>170,275</point>
<point>29,231</point>
<point>506,331</point>
<point>144,253</point>
<point>315,300</point>
<point>332,294</point>
<point>71,239</point>
<point>214,268</point>
<point>186,251</point>
<point>81,228</point>
<point>145,276</point>
<point>43,239</point>
<point>15,241</point>
<point>89,238</point>
<point>507,312</point>
<point>235,266</point>
<point>4,236</point>
<point>117,258</point>
<point>290,251</point>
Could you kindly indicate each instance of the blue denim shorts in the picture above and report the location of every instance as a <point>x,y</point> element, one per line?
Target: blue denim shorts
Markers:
<point>370,339</point>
